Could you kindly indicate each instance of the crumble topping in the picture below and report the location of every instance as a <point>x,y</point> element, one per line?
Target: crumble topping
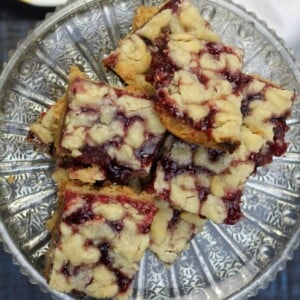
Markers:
<point>109,228</point>
<point>104,124</point>
<point>206,182</point>
<point>171,231</point>
<point>179,17</point>
<point>186,68</point>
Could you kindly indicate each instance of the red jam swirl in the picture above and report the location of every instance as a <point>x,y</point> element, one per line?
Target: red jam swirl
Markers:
<point>122,280</point>
<point>232,200</point>
<point>238,80</point>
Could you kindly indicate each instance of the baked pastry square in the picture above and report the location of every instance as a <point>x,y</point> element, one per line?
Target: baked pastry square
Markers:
<point>96,131</point>
<point>110,128</point>
<point>99,239</point>
<point>178,54</point>
<point>210,182</point>
<point>265,109</point>
<point>133,58</point>
<point>202,181</point>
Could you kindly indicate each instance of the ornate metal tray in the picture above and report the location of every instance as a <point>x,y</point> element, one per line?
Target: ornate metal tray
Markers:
<point>223,261</point>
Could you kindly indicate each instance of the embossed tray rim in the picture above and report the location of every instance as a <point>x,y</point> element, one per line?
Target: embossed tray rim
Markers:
<point>262,280</point>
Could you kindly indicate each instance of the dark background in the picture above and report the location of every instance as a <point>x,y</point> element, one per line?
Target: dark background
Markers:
<point>15,21</point>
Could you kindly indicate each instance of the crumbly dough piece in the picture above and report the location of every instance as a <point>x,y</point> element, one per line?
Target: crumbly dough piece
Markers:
<point>142,15</point>
<point>210,182</point>
<point>113,129</point>
<point>132,59</point>
<point>201,90</point>
<point>177,53</point>
<point>99,239</point>
<point>43,133</point>
<point>171,231</point>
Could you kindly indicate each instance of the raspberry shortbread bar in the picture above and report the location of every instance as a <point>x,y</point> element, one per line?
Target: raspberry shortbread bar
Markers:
<point>111,128</point>
<point>132,60</point>
<point>177,53</point>
<point>99,239</point>
<point>265,108</point>
<point>209,182</point>
<point>202,181</point>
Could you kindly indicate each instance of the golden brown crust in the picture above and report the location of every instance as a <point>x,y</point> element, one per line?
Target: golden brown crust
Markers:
<point>110,191</point>
<point>53,225</point>
<point>54,119</point>
<point>127,72</point>
<point>142,15</point>
<point>135,89</point>
<point>191,135</point>
<point>74,73</point>
<point>34,136</point>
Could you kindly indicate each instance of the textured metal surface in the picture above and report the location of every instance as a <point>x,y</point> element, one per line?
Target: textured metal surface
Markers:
<point>223,261</point>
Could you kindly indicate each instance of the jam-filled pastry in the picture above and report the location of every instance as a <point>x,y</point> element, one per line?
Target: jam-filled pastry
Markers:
<point>109,128</point>
<point>132,60</point>
<point>177,54</point>
<point>210,182</point>
<point>265,109</point>
<point>171,231</point>
<point>203,181</point>
<point>98,240</point>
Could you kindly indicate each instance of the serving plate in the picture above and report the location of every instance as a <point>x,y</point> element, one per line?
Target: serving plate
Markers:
<point>223,261</point>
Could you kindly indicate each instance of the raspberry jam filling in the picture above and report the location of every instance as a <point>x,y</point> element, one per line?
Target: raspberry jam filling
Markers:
<point>172,4</point>
<point>122,280</point>
<point>162,68</point>
<point>278,147</point>
<point>175,219</point>
<point>65,269</point>
<point>216,49</point>
<point>81,215</point>
<point>115,170</point>
<point>214,154</point>
<point>104,250</point>
<point>172,169</point>
<point>116,225</point>
<point>245,110</point>
<point>77,87</point>
<point>111,60</point>
<point>164,105</point>
<point>202,193</point>
<point>147,152</point>
<point>85,213</point>
<point>201,77</point>
<point>238,80</point>
<point>232,201</point>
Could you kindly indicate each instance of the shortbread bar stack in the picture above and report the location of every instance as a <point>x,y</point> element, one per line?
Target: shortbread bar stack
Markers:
<point>144,167</point>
